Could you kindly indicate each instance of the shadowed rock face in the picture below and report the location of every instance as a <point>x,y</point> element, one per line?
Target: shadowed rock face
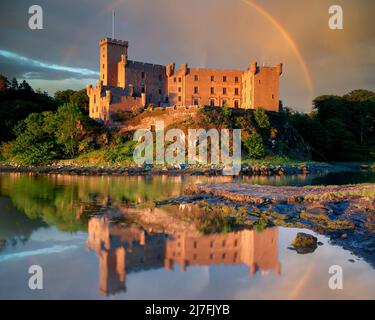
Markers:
<point>344,213</point>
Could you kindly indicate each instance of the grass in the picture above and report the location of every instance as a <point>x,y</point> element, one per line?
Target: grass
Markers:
<point>276,160</point>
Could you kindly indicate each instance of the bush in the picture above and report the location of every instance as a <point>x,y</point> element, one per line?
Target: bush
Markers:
<point>261,118</point>
<point>121,152</point>
<point>254,145</point>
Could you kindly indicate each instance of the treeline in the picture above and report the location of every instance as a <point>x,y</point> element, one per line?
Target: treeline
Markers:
<point>340,128</point>
<point>18,100</point>
<point>36,128</point>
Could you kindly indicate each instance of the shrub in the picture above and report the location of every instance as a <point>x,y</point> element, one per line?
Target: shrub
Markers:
<point>261,118</point>
<point>254,146</point>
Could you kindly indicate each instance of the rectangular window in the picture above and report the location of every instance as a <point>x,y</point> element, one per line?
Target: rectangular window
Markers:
<point>174,79</point>
<point>179,89</point>
<point>212,103</point>
<point>142,75</point>
<point>195,90</point>
<point>236,104</point>
<point>212,78</point>
<point>179,98</point>
<point>236,79</point>
<point>236,91</point>
<point>179,79</point>
<point>212,90</point>
<point>143,90</point>
<point>196,102</point>
<point>273,96</point>
<point>160,77</point>
<point>196,78</point>
<point>159,91</point>
<point>224,78</point>
<point>224,90</point>
<point>103,66</point>
<point>224,103</point>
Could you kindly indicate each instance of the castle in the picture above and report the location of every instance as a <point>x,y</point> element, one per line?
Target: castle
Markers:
<point>127,85</point>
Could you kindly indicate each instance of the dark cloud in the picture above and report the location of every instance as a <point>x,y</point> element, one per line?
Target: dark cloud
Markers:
<point>207,33</point>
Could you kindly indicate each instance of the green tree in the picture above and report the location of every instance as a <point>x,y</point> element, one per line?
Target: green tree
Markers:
<point>261,118</point>
<point>254,146</point>
<point>35,142</point>
<point>4,83</point>
<point>69,128</point>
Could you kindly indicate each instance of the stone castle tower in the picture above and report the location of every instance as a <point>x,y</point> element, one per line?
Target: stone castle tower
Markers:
<point>127,85</point>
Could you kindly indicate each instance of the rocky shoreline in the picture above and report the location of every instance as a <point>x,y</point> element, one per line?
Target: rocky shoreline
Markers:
<point>247,170</point>
<point>346,214</point>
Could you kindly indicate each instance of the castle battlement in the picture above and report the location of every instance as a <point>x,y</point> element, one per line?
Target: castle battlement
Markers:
<point>113,41</point>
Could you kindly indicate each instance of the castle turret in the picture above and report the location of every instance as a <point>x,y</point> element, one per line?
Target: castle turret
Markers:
<point>111,51</point>
<point>170,69</point>
<point>253,67</point>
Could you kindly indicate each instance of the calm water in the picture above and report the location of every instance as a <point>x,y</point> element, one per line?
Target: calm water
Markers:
<point>48,221</point>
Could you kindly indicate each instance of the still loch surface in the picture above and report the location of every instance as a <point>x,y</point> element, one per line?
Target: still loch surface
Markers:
<point>59,223</point>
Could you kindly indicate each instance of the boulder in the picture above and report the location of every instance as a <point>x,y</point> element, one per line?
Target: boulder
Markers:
<point>305,243</point>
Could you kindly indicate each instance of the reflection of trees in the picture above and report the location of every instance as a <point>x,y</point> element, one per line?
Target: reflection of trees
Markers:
<point>66,201</point>
<point>15,227</point>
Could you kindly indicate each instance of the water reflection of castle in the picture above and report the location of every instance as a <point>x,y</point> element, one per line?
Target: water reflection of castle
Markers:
<point>124,249</point>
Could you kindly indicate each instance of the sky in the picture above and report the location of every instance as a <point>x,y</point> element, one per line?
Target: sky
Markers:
<point>203,33</point>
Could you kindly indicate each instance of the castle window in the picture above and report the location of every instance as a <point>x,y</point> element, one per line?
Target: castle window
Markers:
<point>179,89</point>
<point>103,76</point>
<point>103,66</point>
<point>195,245</point>
<point>143,90</point>
<point>212,90</point>
<point>211,256</point>
<point>236,91</point>
<point>195,90</point>
<point>223,256</point>
<point>212,103</point>
<point>224,78</point>
<point>160,91</point>
<point>236,105</point>
<point>273,96</point>
<point>212,78</point>
<point>174,79</point>
<point>259,81</point>
<point>196,102</point>
<point>224,90</point>
<point>94,98</point>
<point>196,78</point>
<point>236,79</point>
<point>142,75</point>
<point>179,98</point>
<point>211,244</point>
<point>224,103</point>
<point>97,109</point>
<point>179,79</point>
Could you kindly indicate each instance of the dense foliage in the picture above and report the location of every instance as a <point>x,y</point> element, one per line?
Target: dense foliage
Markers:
<point>339,128</point>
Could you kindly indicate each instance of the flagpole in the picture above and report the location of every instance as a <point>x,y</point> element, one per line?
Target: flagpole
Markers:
<point>113,24</point>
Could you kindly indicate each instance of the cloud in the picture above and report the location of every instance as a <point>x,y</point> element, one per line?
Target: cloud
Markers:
<point>35,69</point>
